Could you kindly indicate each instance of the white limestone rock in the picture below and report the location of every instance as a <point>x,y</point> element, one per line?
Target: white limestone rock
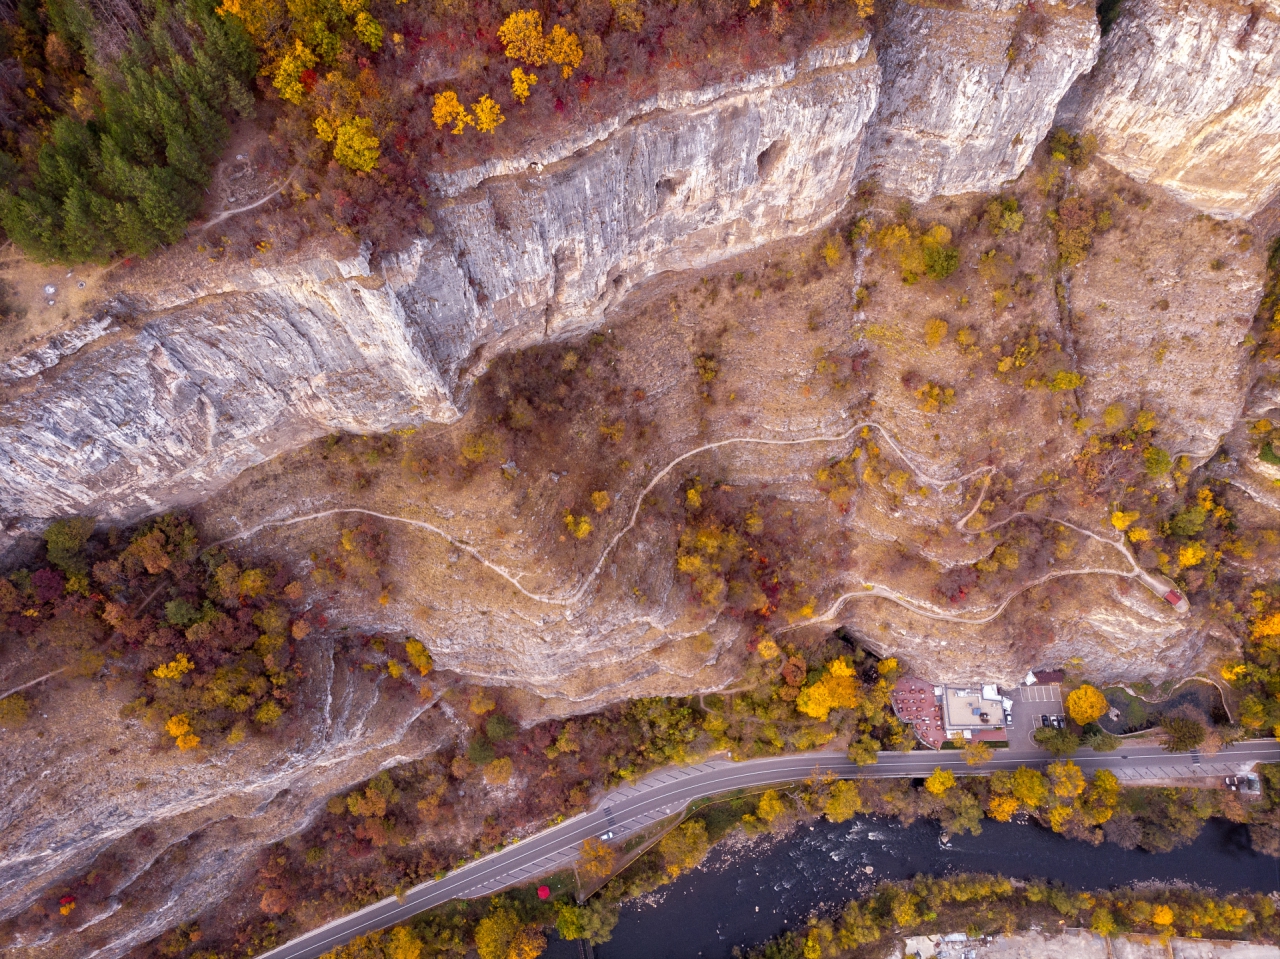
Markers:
<point>970,90</point>
<point>1186,96</point>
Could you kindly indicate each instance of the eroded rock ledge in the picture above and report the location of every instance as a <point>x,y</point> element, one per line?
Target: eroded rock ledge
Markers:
<point>196,383</point>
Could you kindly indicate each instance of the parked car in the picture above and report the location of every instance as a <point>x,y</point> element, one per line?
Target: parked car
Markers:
<point>1044,719</point>
<point>1233,783</point>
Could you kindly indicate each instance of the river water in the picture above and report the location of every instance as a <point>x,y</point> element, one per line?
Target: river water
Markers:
<point>749,891</point>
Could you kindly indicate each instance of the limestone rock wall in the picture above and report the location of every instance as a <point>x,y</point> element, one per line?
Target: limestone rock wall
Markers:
<point>203,381</point>
<point>165,409</point>
<point>970,90</point>
<point>167,398</point>
<point>1186,95</point>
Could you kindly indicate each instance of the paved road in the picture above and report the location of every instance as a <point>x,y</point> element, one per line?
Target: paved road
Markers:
<point>637,805</point>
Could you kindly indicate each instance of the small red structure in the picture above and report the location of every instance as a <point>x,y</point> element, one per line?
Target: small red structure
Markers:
<point>544,892</point>
<point>1173,597</point>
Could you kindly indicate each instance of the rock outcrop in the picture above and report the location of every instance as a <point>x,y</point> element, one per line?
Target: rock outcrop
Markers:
<point>72,800</point>
<point>970,90</point>
<point>204,382</point>
<point>1186,95</point>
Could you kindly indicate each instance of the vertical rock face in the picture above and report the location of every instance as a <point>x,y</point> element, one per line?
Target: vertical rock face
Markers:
<point>539,252</point>
<point>207,382</point>
<point>970,90</point>
<point>1186,95</point>
<point>171,407</point>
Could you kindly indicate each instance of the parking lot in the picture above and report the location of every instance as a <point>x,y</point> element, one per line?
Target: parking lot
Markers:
<point>1029,704</point>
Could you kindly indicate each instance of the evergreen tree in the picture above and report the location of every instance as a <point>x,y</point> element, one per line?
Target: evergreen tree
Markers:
<point>129,178</point>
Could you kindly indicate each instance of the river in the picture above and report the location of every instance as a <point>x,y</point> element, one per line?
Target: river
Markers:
<point>750,891</point>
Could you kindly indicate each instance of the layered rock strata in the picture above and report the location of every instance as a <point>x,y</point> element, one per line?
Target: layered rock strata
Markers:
<point>204,382</point>
<point>970,90</point>
<point>1186,95</point>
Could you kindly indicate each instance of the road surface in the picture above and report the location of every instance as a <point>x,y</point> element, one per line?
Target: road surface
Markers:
<point>636,805</point>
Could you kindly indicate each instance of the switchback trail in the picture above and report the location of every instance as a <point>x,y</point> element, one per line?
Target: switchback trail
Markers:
<point>868,590</point>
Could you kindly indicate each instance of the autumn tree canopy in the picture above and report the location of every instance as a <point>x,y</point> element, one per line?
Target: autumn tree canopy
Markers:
<point>1086,704</point>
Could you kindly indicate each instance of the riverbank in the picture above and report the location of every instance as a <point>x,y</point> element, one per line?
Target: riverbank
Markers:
<point>750,891</point>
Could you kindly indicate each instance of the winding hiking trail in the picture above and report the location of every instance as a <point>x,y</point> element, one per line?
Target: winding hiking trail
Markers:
<point>228,214</point>
<point>918,607</point>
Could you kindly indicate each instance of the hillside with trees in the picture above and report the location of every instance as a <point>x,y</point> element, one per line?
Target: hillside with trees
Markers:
<point>112,115</point>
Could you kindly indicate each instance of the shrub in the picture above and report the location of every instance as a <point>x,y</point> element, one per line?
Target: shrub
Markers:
<point>14,710</point>
<point>418,656</point>
<point>920,254</point>
<point>1156,462</point>
<point>935,331</point>
<point>499,728</point>
<point>1075,222</point>
<point>1183,734</point>
<point>498,772</point>
<point>1002,215</point>
<point>1065,380</point>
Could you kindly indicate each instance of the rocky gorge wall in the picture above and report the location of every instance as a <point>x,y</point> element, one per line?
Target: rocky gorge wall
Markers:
<point>962,107</point>
<point>166,397</point>
<point>1186,96</point>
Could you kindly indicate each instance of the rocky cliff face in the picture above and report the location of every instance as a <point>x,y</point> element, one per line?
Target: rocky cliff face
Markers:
<point>203,382</point>
<point>970,90</point>
<point>1186,95</point>
<point>165,399</point>
<point>168,836</point>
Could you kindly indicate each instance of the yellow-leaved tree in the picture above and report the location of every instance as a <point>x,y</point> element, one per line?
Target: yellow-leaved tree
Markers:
<point>447,108</point>
<point>843,802</point>
<point>940,781</point>
<point>501,935</point>
<point>521,36</point>
<point>564,50</point>
<point>418,655</point>
<point>357,146</point>
<point>1086,704</point>
<point>595,859</point>
<point>521,83</point>
<point>837,688</point>
<point>488,114</point>
<point>684,847</point>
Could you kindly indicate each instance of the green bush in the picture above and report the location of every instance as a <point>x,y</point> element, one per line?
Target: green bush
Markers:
<point>500,728</point>
<point>1184,734</point>
<point>940,261</point>
<point>481,751</point>
<point>1059,742</point>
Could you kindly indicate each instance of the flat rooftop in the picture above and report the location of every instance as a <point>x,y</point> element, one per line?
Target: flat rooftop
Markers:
<point>972,707</point>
